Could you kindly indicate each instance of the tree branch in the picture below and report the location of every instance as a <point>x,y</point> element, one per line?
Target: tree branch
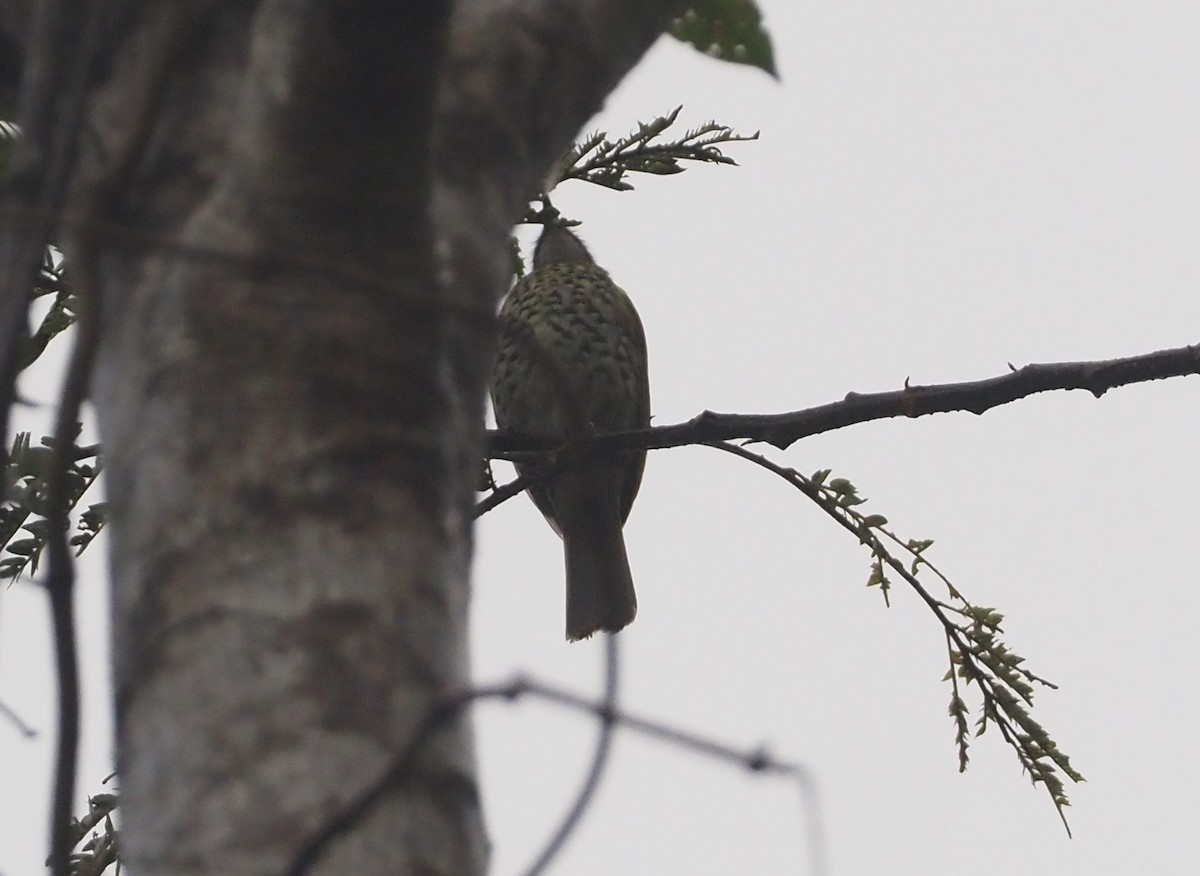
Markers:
<point>977,396</point>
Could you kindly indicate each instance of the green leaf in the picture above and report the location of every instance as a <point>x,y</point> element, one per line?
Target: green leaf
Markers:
<point>24,547</point>
<point>729,30</point>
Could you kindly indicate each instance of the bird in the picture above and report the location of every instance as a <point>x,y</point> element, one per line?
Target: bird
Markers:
<point>572,363</point>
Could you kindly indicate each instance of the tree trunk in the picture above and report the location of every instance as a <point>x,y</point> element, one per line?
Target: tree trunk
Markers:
<point>297,217</point>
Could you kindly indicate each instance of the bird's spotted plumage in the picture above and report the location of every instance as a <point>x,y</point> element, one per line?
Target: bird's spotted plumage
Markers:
<point>572,363</point>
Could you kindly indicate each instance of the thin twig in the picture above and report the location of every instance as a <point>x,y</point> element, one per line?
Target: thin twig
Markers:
<point>436,717</point>
<point>757,760</point>
<point>450,706</point>
<point>61,54</point>
<point>574,816</point>
<point>60,580</point>
<point>25,729</point>
<point>100,201</point>
<point>505,492</point>
<point>60,584</point>
<point>440,713</point>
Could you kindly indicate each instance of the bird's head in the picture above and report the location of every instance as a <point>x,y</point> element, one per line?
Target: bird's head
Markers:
<point>559,244</point>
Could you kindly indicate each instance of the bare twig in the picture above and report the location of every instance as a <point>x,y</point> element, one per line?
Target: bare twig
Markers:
<point>100,202</point>
<point>25,730</point>
<point>757,760</point>
<point>978,396</point>
<point>449,707</point>
<point>60,582</point>
<point>438,716</point>
<point>63,41</point>
<point>505,492</point>
<point>612,678</point>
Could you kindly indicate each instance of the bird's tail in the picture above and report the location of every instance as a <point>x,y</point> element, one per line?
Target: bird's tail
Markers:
<point>600,593</point>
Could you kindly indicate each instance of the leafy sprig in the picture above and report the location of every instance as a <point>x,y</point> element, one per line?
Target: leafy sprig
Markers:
<point>58,318</point>
<point>99,850</point>
<point>23,512</point>
<point>608,163</point>
<point>976,650</point>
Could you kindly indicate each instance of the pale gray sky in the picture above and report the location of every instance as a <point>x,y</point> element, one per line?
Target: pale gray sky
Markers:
<point>941,188</point>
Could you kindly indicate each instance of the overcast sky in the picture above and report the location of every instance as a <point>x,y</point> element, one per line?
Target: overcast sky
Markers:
<point>941,188</point>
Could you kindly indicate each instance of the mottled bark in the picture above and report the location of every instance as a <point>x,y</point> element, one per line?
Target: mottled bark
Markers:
<point>300,212</point>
